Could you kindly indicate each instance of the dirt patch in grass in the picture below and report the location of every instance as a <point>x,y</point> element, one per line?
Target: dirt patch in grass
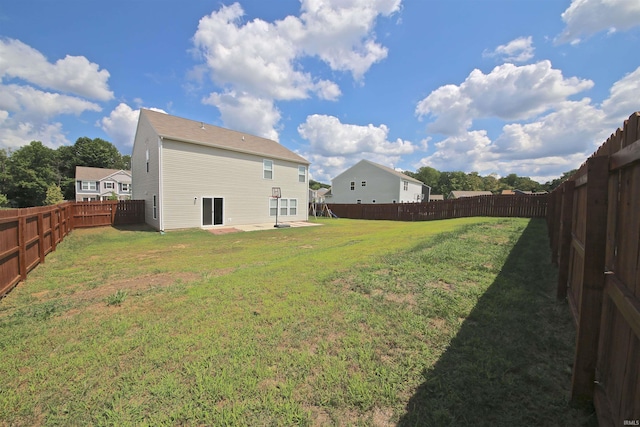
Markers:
<point>141,283</point>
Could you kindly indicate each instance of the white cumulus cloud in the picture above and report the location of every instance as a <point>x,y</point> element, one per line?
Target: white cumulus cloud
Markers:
<point>508,92</point>
<point>544,132</point>
<point>73,74</point>
<point>246,113</point>
<point>121,124</point>
<point>34,91</point>
<point>261,60</point>
<point>518,50</point>
<point>335,145</point>
<point>623,97</point>
<point>587,17</point>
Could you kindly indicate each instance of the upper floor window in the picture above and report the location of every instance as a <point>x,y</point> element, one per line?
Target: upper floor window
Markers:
<point>89,185</point>
<point>126,187</point>
<point>302,174</point>
<point>364,183</point>
<point>267,169</point>
<point>109,185</point>
<point>353,185</point>
<point>405,185</point>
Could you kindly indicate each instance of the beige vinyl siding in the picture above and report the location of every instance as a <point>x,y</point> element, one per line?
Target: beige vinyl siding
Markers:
<point>410,195</point>
<point>146,184</point>
<point>381,186</point>
<point>192,171</point>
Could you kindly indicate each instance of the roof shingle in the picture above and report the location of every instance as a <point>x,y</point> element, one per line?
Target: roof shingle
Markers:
<point>191,131</point>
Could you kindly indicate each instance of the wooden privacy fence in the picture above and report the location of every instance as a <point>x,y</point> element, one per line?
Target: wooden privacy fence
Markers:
<point>28,235</point>
<point>594,230</point>
<point>529,206</point>
<point>109,212</point>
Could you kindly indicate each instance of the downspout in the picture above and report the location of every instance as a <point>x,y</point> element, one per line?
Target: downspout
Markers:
<point>160,187</point>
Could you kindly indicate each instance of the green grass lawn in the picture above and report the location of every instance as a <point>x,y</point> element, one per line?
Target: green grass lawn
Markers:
<point>350,323</point>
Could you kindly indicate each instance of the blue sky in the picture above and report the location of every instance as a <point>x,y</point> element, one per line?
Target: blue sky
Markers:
<point>530,87</point>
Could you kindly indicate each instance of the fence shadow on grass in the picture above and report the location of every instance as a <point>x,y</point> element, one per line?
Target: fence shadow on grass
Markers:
<point>510,362</point>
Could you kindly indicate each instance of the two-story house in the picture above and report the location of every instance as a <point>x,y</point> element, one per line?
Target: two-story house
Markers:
<point>192,174</point>
<point>93,184</point>
<point>369,182</point>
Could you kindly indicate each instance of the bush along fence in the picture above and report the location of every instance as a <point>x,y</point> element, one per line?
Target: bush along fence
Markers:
<point>594,230</point>
<point>28,235</point>
<point>528,206</point>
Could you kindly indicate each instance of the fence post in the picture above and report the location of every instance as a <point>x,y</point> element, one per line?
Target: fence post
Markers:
<point>590,304</point>
<point>22,251</point>
<point>565,210</point>
<point>41,237</point>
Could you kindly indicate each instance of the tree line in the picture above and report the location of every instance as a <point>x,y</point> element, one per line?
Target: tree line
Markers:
<point>36,175</point>
<point>446,182</point>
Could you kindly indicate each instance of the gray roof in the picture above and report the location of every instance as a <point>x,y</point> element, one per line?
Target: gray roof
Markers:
<point>96,174</point>
<point>458,194</point>
<point>191,131</point>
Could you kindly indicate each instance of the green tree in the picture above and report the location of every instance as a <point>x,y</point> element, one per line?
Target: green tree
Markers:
<point>491,183</point>
<point>474,182</point>
<point>4,174</point>
<point>96,153</point>
<point>553,184</point>
<point>4,202</point>
<point>428,176</point>
<point>32,171</point>
<point>315,185</point>
<point>54,195</point>
<point>524,183</point>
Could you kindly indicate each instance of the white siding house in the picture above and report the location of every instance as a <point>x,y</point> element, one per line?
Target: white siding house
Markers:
<point>369,182</point>
<point>192,174</point>
<point>102,184</point>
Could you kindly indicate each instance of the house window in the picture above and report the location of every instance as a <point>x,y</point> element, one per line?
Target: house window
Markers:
<point>405,185</point>
<point>155,207</point>
<point>358,201</point>
<point>353,185</point>
<point>126,187</point>
<point>302,174</point>
<point>283,207</point>
<point>89,185</point>
<point>109,185</point>
<point>267,169</point>
<point>364,183</point>
<point>147,160</point>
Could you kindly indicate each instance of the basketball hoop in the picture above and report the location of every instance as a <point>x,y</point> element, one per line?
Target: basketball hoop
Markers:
<point>275,194</point>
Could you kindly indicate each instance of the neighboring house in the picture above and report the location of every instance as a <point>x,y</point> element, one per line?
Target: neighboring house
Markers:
<point>193,174</point>
<point>102,184</point>
<point>317,196</point>
<point>368,182</point>
<point>462,194</point>
<point>436,197</point>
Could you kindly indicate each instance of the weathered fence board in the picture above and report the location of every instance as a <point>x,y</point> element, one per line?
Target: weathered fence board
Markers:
<point>28,235</point>
<point>603,273</point>
<point>528,206</point>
